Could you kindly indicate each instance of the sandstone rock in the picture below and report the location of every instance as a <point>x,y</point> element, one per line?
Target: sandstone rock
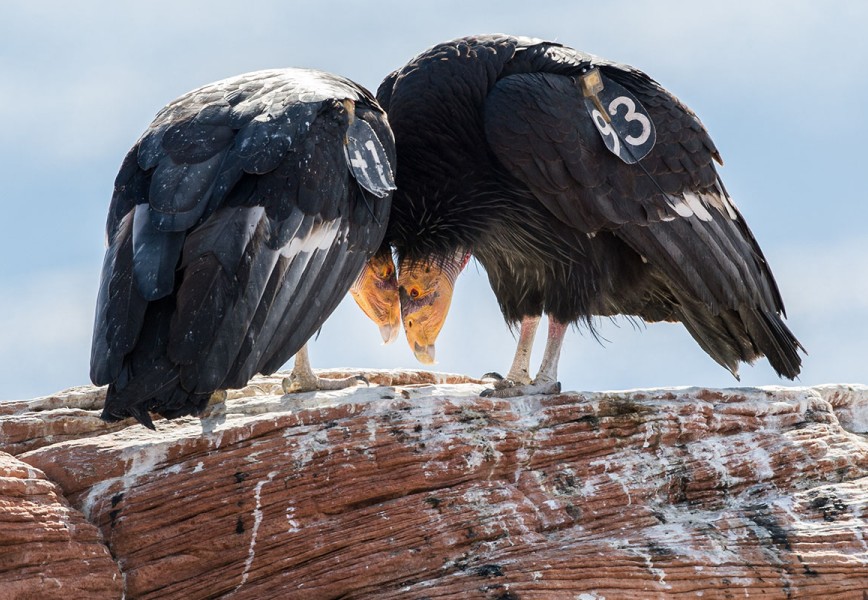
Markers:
<point>74,413</point>
<point>430,491</point>
<point>47,549</point>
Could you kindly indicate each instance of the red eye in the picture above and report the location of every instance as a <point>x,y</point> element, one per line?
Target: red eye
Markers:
<point>414,293</point>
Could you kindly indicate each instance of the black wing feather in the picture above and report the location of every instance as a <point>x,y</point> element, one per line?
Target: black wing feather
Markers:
<point>119,309</point>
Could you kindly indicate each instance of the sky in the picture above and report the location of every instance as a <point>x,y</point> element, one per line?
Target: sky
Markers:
<point>781,87</point>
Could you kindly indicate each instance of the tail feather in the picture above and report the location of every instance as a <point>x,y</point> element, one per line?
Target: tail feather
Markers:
<point>744,335</point>
<point>170,401</point>
<point>778,343</point>
<point>149,381</point>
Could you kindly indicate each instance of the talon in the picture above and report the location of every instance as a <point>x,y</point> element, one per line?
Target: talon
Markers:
<point>363,379</point>
<point>492,375</point>
<point>550,387</point>
<point>487,393</point>
<point>505,384</point>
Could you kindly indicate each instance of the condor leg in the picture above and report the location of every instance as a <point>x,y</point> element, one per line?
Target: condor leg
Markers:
<point>303,379</point>
<point>518,383</point>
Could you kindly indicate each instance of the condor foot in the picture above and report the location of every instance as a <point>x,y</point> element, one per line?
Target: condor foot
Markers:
<point>308,382</point>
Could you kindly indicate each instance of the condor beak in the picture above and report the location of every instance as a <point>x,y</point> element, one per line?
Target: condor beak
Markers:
<point>376,292</point>
<point>424,354</point>
<point>425,289</point>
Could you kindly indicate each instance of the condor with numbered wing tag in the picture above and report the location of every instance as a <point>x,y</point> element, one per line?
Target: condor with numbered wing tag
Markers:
<point>498,155</point>
<point>238,223</point>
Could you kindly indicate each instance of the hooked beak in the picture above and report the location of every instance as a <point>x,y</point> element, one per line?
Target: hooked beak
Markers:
<point>376,292</point>
<point>425,289</point>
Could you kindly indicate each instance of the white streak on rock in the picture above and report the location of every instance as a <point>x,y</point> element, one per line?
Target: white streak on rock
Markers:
<point>290,519</point>
<point>257,521</point>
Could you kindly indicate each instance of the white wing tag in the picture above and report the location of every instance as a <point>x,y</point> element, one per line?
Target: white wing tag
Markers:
<point>622,121</point>
<point>367,159</point>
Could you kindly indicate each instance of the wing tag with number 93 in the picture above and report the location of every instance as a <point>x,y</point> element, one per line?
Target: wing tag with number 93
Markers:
<point>623,123</point>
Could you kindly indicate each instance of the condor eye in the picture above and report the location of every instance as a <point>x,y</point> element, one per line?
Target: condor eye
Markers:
<point>414,293</point>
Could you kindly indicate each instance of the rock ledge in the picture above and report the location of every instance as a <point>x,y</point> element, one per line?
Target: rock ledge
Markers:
<point>419,488</point>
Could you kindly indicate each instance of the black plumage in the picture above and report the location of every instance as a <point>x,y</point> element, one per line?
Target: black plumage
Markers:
<point>238,222</point>
<point>498,155</point>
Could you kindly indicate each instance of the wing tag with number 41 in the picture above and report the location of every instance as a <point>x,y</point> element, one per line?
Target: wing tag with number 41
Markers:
<point>623,123</point>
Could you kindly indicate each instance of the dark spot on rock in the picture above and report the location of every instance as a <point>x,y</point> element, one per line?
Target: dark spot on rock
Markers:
<point>461,562</point>
<point>490,570</point>
<point>574,511</point>
<point>504,594</point>
<point>592,420</point>
<point>113,515</point>
<point>117,498</point>
<point>400,434</point>
<point>659,550</point>
<point>763,518</point>
<point>240,477</point>
<point>678,483</point>
<point>470,417</point>
<point>239,526</point>
<point>565,484</point>
<point>433,501</point>
<point>418,428</point>
<point>830,505</point>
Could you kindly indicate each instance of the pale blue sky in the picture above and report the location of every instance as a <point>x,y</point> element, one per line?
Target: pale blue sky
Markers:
<point>781,86</point>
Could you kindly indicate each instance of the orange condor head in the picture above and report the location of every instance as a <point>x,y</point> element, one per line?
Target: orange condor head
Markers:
<point>376,293</point>
<point>425,289</point>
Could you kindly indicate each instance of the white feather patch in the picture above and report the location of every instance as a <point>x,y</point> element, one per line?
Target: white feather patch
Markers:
<point>697,206</point>
<point>321,236</point>
<point>727,202</point>
<point>678,205</point>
